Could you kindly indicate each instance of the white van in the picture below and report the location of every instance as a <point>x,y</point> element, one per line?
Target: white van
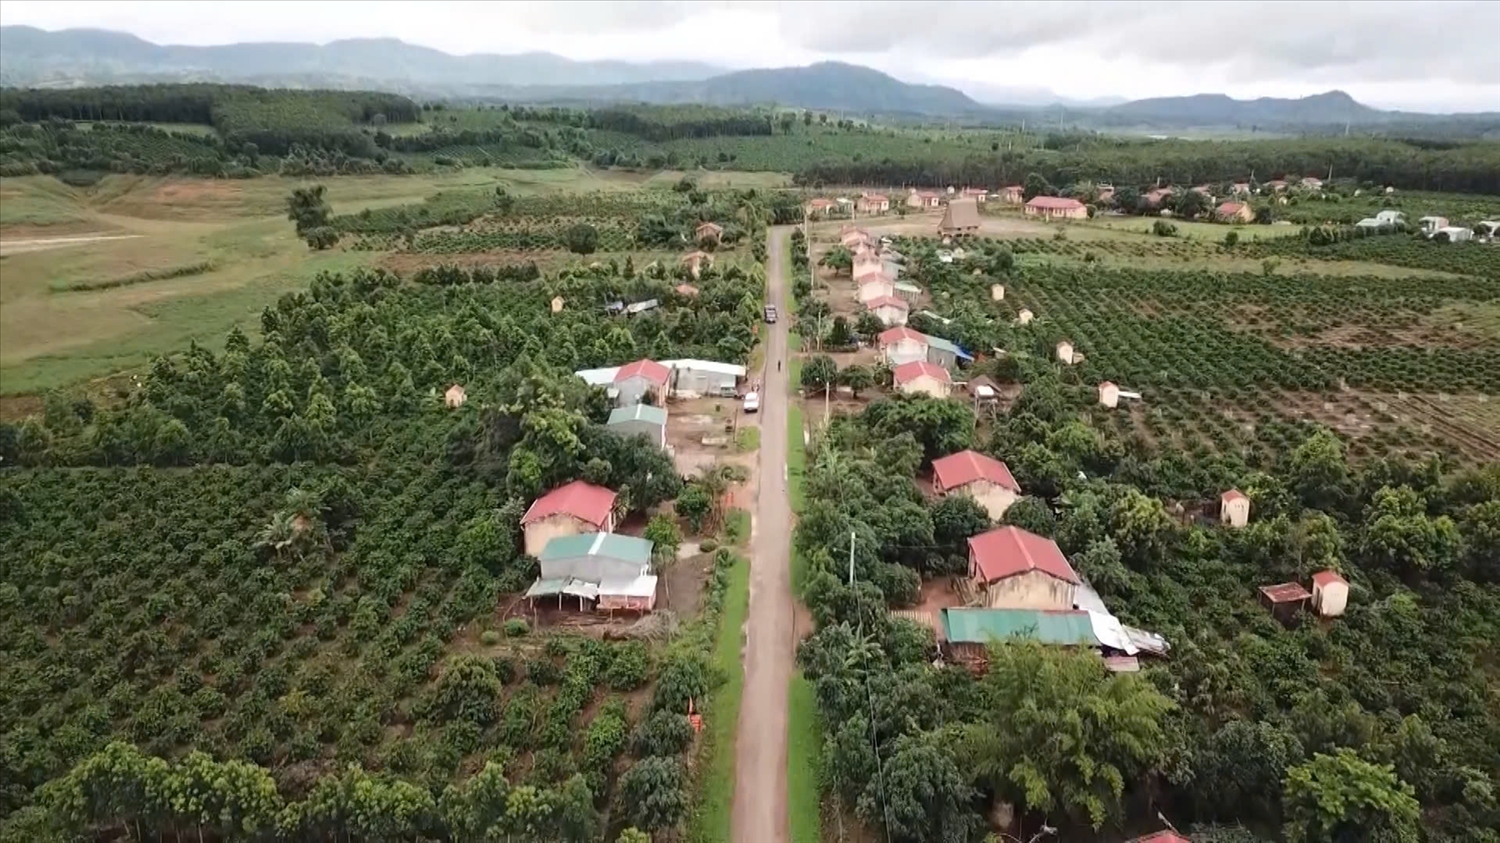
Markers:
<point>752,402</point>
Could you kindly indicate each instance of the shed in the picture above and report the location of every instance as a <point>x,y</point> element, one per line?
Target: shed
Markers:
<point>968,632</point>
<point>909,292</point>
<point>1065,352</point>
<point>960,218</point>
<point>695,260</point>
<point>922,378</point>
<point>612,570</point>
<point>982,477</point>
<point>455,396</point>
<point>1109,394</point>
<point>1024,316</point>
<point>1431,224</point>
<point>709,230</point>
<point>946,353</point>
<point>577,507</point>
<point>1234,212</point>
<point>1391,217</point>
<point>637,308</point>
<point>902,345</point>
<point>1234,509</point>
<point>1454,234</point>
<point>997,292</point>
<point>1330,593</point>
<point>889,310</point>
<point>634,381</point>
<point>1013,194</point>
<point>640,420</point>
<point>692,378</point>
<point>978,194</point>
<point>557,304</point>
<point>1013,568</point>
<point>1284,600</point>
<point>984,389</point>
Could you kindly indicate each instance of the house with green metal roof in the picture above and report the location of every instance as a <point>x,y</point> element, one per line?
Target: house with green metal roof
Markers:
<point>640,420</point>
<point>968,633</point>
<point>610,570</point>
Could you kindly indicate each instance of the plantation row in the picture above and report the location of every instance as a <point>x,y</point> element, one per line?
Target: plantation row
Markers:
<point>1471,258</point>
<point>519,237</point>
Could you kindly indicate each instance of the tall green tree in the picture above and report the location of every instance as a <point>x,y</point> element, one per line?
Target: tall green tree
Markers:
<point>308,207</point>
<point>1343,799</point>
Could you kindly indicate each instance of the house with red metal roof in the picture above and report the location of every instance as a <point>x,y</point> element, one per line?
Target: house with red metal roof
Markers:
<point>1234,509</point>
<point>634,380</point>
<point>1164,836</point>
<point>578,507</point>
<point>924,200</point>
<point>1013,569</point>
<point>890,310</point>
<point>708,231</point>
<point>1234,212</point>
<point>820,206</point>
<point>1056,208</point>
<point>980,476</point>
<point>922,378</point>
<point>901,345</point>
<point>873,203</point>
<point>875,285</point>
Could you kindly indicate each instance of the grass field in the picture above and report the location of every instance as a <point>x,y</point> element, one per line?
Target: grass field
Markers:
<point>804,762</point>
<point>712,822</point>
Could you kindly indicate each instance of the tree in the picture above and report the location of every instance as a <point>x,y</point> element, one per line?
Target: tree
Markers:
<point>1035,186</point>
<point>1031,514</point>
<point>838,259</point>
<point>1191,204</point>
<point>665,538</point>
<point>1060,733</point>
<point>308,208</point>
<point>1240,768</point>
<point>868,326</point>
<point>1128,199</point>
<point>921,794</point>
<point>819,372</point>
<point>839,336</point>
<point>1100,564</point>
<point>694,504</point>
<point>939,426</point>
<point>1399,534</point>
<point>654,793</point>
<point>1342,797</point>
<point>858,378</point>
<point>1231,239</point>
<point>581,238</point>
<point>467,690</point>
<point>322,237</point>
<point>1142,528</point>
<point>1319,472</point>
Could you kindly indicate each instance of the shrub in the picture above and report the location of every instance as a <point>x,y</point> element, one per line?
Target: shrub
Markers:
<point>490,637</point>
<point>627,671</point>
<point>517,627</point>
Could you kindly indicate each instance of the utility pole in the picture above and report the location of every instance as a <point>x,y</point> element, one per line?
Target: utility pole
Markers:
<point>851,558</point>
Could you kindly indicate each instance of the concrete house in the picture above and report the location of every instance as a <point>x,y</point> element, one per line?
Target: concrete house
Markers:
<point>569,510</point>
<point>902,345</point>
<point>1234,509</point>
<point>978,194</point>
<point>865,262</point>
<point>1014,569</point>
<point>640,420</point>
<point>820,207</point>
<point>890,310</point>
<point>985,479</point>
<point>635,380</point>
<point>694,378</point>
<point>611,571</point>
<point>455,396</point>
<point>922,378</point>
<point>1056,208</point>
<point>1013,194</point>
<point>696,260</point>
<point>1234,212</point>
<point>875,286</point>
<point>1330,593</point>
<point>924,200</point>
<point>959,219</point>
<point>710,230</point>
<point>873,203</point>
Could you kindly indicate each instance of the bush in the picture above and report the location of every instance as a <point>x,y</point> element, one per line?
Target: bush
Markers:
<point>627,671</point>
<point>542,672</point>
<point>517,627</point>
<point>708,545</point>
<point>1162,228</point>
<point>490,637</point>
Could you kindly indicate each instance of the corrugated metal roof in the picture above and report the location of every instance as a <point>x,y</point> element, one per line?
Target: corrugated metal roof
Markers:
<point>583,501</point>
<point>980,626</point>
<point>613,545</point>
<point>706,366</point>
<point>638,412</point>
<point>1008,551</point>
<point>948,346</point>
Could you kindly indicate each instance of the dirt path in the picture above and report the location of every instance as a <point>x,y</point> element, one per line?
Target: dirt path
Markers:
<point>760,796</point>
<point>16,247</point>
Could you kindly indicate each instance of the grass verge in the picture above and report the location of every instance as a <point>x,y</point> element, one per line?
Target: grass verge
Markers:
<point>737,527</point>
<point>747,440</point>
<point>804,758</point>
<point>711,823</point>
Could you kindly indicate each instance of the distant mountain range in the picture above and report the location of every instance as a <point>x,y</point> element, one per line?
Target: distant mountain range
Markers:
<point>73,57</point>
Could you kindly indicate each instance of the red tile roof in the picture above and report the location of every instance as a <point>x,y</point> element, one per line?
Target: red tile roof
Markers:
<point>1287,592</point>
<point>686,289</point>
<point>1009,551</point>
<point>965,467</point>
<point>821,203</point>
<point>584,501</point>
<point>1054,203</point>
<point>1228,209</point>
<point>648,369</point>
<point>882,301</point>
<point>875,276</point>
<point>892,336</point>
<point>916,369</point>
<point>1233,495</point>
<point>1329,577</point>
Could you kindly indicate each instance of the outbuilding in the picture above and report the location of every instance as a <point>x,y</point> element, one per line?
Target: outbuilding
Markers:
<point>922,378</point>
<point>455,396</point>
<point>640,420</point>
<point>1234,509</point>
<point>1330,593</point>
<point>1012,568</point>
<point>946,353</point>
<point>571,509</point>
<point>1284,600</point>
<point>635,381</point>
<point>982,477</point>
<point>960,218</point>
<point>1234,212</point>
<point>1065,352</point>
<point>708,231</point>
<point>692,378</point>
<point>610,570</point>
<point>1013,194</point>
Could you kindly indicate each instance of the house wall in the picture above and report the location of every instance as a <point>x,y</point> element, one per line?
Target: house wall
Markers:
<point>926,385</point>
<point>640,427</point>
<point>905,351</point>
<point>890,317</point>
<point>874,290</point>
<point>538,533</point>
<point>702,382</point>
<point>994,498</point>
<point>1031,590</point>
<point>1060,214</point>
<point>611,602</point>
<point>941,356</point>
<point>1330,600</point>
<point>1235,513</point>
<point>632,390</point>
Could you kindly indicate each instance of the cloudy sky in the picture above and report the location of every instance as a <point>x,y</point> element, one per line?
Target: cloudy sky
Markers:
<point>1432,56</point>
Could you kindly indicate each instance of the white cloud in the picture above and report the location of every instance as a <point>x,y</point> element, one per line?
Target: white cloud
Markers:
<point>1388,53</point>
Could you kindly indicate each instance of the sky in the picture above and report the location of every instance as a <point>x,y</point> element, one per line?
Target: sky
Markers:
<point>1428,56</point>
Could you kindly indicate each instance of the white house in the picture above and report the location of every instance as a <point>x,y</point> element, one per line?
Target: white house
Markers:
<point>889,310</point>
<point>1390,217</point>
<point>1330,593</point>
<point>902,345</point>
<point>692,378</point>
<point>1065,352</point>
<point>876,286</point>
<point>922,378</point>
<point>1234,509</point>
<point>997,292</point>
<point>1454,233</point>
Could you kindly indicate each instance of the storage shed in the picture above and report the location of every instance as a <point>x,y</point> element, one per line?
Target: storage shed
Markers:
<point>1234,509</point>
<point>1285,600</point>
<point>611,571</point>
<point>640,420</point>
<point>1330,593</point>
<point>692,378</point>
<point>455,396</point>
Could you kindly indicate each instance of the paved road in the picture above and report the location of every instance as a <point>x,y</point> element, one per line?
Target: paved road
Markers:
<point>760,796</point>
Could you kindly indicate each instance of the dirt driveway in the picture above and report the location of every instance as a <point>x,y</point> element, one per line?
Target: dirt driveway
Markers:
<point>760,795</point>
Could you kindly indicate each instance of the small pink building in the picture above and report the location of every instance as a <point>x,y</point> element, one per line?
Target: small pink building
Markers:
<point>924,200</point>
<point>873,203</point>
<point>1330,593</point>
<point>922,378</point>
<point>1056,207</point>
<point>1234,509</point>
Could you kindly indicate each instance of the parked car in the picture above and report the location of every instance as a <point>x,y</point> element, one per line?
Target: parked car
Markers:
<point>770,314</point>
<point>752,402</point>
